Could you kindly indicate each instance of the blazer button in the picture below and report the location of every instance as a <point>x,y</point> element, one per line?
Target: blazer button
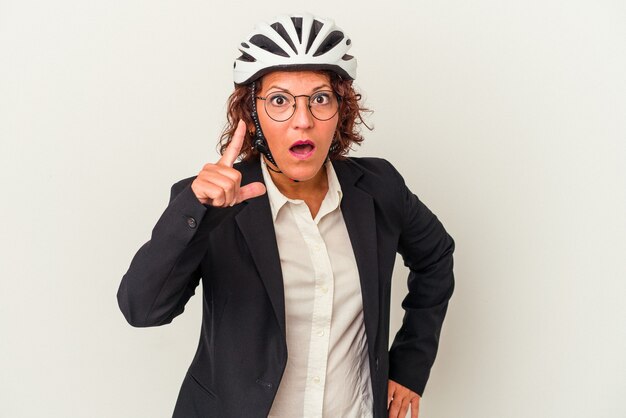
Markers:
<point>376,363</point>
<point>191,222</point>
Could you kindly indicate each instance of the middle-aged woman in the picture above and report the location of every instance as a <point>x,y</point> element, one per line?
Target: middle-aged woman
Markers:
<point>295,245</point>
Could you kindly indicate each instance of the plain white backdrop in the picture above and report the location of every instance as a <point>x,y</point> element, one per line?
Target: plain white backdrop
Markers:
<point>507,118</point>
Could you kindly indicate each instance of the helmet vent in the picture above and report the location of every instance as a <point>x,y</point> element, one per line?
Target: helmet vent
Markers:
<point>333,39</point>
<point>315,29</point>
<point>301,42</point>
<point>267,44</point>
<point>245,57</point>
<point>280,29</point>
<point>297,24</point>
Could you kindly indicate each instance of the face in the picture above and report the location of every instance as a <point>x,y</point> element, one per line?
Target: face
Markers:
<point>300,144</point>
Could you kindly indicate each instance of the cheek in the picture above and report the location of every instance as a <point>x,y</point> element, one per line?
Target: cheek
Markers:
<point>331,129</point>
<point>324,131</point>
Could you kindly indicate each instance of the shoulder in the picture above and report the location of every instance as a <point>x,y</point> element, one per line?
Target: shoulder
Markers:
<point>378,178</point>
<point>370,164</point>
<point>370,171</point>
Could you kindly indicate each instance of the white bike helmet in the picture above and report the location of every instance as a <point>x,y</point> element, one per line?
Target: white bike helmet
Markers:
<point>300,41</point>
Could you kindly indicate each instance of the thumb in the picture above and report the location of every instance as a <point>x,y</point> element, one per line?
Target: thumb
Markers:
<point>251,190</point>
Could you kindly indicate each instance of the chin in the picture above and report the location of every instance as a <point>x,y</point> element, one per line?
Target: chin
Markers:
<point>303,173</point>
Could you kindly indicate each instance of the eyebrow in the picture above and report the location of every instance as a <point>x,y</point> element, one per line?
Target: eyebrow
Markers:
<point>320,87</point>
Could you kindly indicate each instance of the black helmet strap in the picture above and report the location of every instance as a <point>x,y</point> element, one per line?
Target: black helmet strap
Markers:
<point>260,143</point>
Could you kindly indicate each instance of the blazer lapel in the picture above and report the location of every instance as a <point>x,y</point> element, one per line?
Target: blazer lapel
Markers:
<point>255,223</point>
<point>357,207</point>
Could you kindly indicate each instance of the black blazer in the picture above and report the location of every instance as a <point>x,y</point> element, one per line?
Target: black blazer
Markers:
<point>242,351</point>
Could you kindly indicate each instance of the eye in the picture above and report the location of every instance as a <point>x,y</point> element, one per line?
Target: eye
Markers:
<point>321,98</point>
<point>278,100</point>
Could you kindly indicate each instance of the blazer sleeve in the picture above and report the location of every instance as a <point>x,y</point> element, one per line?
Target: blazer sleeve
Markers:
<point>165,271</point>
<point>427,250</point>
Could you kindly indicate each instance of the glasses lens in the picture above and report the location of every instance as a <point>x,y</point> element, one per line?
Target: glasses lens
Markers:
<point>280,106</point>
<point>324,104</point>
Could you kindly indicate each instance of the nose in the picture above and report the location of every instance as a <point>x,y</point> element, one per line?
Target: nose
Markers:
<point>302,117</point>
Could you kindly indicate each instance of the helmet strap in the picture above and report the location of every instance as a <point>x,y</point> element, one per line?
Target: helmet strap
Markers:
<point>260,143</point>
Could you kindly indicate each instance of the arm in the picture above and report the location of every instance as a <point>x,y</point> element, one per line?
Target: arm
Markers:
<point>165,271</point>
<point>427,251</point>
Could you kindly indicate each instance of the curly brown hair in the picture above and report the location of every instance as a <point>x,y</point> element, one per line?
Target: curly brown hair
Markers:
<point>347,133</point>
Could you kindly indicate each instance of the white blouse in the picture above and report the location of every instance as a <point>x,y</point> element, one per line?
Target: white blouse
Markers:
<point>327,373</point>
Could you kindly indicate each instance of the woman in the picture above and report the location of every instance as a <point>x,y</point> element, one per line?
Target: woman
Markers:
<point>295,245</point>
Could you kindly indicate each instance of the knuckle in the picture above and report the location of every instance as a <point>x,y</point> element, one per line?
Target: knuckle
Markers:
<point>218,201</point>
<point>227,187</point>
<point>221,197</point>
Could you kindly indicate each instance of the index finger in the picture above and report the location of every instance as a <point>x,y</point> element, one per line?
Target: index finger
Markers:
<point>232,151</point>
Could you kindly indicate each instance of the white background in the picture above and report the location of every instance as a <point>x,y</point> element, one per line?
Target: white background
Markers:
<point>507,118</point>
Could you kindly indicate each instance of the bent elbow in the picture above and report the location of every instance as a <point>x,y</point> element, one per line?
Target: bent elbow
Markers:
<point>142,315</point>
<point>135,313</point>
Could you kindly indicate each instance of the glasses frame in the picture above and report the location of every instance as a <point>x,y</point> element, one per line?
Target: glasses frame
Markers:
<point>295,104</point>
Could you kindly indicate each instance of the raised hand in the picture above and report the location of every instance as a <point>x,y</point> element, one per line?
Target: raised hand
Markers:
<point>219,184</point>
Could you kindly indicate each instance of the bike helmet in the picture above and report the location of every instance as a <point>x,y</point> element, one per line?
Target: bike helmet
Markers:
<point>299,41</point>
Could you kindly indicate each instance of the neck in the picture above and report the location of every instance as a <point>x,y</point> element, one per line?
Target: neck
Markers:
<point>302,189</point>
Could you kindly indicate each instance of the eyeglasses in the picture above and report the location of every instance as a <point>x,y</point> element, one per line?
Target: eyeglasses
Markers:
<point>280,105</point>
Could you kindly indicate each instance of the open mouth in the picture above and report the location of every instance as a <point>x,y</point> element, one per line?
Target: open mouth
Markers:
<point>302,149</point>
